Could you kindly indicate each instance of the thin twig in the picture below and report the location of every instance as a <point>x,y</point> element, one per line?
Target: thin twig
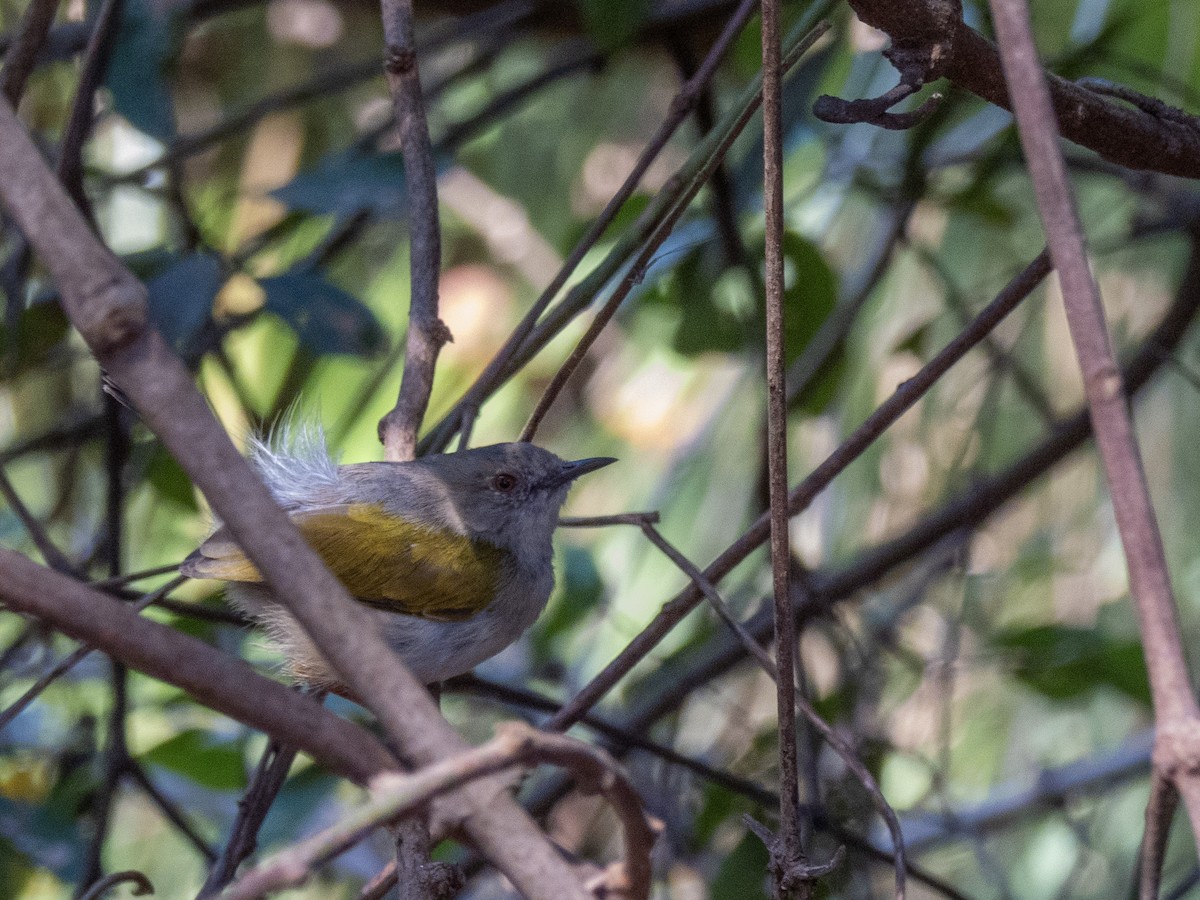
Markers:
<point>632,518</point>
<point>396,796</point>
<point>74,658</point>
<point>79,123</point>
<point>253,806</point>
<point>1176,757</point>
<point>781,551</point>
<point>172,813</point>
<point>426,332</point>
<point>50,552</point>
<point>21,57</point>
<point>692,571</point>
<point>141,885</point>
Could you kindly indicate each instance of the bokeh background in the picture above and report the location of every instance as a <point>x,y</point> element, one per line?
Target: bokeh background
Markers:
<point>243,163</point>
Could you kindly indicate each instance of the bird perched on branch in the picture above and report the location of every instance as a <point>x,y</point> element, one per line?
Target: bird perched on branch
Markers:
<point>451,552</point>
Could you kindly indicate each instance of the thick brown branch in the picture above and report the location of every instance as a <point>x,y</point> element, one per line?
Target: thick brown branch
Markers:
<point>1128,136</point>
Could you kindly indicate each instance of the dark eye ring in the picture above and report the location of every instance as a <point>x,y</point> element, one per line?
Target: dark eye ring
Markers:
<point>504,482</point>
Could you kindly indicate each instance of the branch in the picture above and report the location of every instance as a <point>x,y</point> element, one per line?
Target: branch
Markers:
<point>22,55</point>
<point>1176,755</point>
<point>107,305</point>
<point>396,796</point>
<point>77,656</point>
<point>1130,137</point>
<point>219,682</point>
<point>426,332</point>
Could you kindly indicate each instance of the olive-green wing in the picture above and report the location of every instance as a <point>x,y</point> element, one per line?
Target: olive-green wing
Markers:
<point>382,560</point>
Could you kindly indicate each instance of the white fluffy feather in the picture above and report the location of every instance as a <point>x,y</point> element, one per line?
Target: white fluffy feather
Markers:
<point>294,461</point>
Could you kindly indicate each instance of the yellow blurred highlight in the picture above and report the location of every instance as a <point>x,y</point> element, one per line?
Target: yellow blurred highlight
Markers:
<point>25,779</point>
<point>240,295</point>
<point>271,159</point>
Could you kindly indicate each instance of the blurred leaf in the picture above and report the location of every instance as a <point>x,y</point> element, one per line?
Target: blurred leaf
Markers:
<point>305,795</point>
<point>612,23</point>
<point>181,298</point>
<point>41,329</point>
<point>324,317</point>
<point>582,589</point>
<point>1063,662</point>
<point>169,479</point>
<point>809,298</point>
<point>136,75</point>
<point>347,182</point>
<point>47,834</point>
<point>708,301</point>
<point>202,758</point>
<point>743,874</point>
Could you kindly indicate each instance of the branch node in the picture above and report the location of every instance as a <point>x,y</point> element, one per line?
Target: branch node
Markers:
<point>399,61</point>
<point>113,314</point>
<point>1177,747</point>
<point>790,874</point>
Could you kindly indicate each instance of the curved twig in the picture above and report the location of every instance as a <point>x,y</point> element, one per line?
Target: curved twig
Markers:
<point>515,743</point>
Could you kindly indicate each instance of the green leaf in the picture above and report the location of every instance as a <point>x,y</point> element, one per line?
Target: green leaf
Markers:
<point>46,834</point>
<point>743,874</point>
<point>1064,662</point>
<point>181,298</point>
<point>810,295</point>
<point>613,23</point>
<point>41,329</point>
<point>144,51</point>
<point>201,758</point>
<point>324,317</point>
<point>170,481</point>
<point>582,589</point>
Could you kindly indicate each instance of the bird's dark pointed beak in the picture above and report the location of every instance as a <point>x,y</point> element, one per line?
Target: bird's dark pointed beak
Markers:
<point>572,470</point>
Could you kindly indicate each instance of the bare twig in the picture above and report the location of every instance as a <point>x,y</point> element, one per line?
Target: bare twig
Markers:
<point>1176,753</point>
<point>74,658</point>
<point>168,808</point>
<point>141,885</point>
<point>253,806</point>
<point>22,55</point>
<point>53,556</point>
<point>79,123</point>
<point>781,551</point>
<point>426,332</point>
<point>633,518</point>
<point>395,796</point>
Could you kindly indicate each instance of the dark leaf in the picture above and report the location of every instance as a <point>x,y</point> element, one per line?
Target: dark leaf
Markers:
<point>181,298</point>
<point>169,479</point>
<point>202,758</point>
<point>324,317</point>
<point>136,75</point>
<point>612,23</point>
<point>743,874</point>
<point>348,182</point>
<point>1064,663</point>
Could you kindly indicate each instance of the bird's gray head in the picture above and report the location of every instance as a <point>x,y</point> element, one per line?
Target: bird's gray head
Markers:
<point>509,494</point>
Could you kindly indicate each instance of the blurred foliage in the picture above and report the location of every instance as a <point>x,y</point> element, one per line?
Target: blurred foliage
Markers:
<point>275,256</point>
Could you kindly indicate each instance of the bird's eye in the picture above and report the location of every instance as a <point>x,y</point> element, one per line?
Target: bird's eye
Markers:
<point>504,482</point>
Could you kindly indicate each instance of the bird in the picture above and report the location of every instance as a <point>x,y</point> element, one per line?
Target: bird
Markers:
<point>452,552</point>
